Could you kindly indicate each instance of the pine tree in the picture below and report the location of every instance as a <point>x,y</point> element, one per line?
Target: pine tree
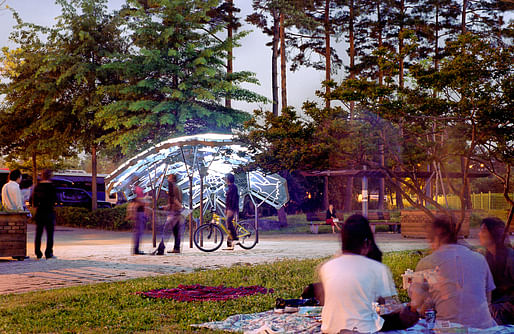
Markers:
<point>265,10</point>
<point>435,22</point>
<point>322,22</point>
<point>224,15</point>
<point>174,79</point>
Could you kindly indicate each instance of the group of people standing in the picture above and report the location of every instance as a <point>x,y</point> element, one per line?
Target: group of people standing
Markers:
<point>138,212</point>
<point>43,199</point>
<point>461,285</point>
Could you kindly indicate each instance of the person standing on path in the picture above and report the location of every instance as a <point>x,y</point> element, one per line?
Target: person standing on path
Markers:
<point>231,209</point>
<point>136,213</point>
<point>44,200</point>
<point>174,220</point>
<point>11,194</point>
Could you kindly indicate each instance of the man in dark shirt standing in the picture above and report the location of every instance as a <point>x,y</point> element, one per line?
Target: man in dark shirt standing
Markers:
<point>44,200</point>
<point>175,220</point>
<point>231,209</point>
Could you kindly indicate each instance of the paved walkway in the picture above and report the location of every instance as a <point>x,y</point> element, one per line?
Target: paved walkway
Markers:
<point>93,256</point>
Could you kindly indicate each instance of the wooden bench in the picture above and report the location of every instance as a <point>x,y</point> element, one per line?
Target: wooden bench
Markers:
<point>382,218</point>
<point>316,219</point>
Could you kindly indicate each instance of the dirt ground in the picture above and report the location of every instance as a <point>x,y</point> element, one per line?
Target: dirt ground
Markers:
<point>93,256</point>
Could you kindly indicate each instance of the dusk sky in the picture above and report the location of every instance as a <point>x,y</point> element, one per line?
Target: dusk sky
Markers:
<point>253,55</point>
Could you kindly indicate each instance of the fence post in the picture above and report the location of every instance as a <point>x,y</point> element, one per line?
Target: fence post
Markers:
<point>489,205</point>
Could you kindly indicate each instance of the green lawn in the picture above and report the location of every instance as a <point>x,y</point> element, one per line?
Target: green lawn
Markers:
<point>114,308</point>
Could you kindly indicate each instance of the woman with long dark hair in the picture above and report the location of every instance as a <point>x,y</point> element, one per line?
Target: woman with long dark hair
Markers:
<point>356,279</point>
<point>500,257</point>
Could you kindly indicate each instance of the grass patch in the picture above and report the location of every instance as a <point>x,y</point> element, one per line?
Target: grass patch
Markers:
<point>114,308</point>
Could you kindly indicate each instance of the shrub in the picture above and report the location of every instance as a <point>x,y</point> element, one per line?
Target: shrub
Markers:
<point>108,219</point>
<point>72,216</point>
<point>111,219</point>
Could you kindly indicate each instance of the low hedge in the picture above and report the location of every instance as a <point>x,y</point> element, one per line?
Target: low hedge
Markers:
<point>107,219</point>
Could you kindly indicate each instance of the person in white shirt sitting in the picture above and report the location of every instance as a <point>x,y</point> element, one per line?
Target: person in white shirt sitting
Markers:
<point>12,199</point>
<point>352,283</point>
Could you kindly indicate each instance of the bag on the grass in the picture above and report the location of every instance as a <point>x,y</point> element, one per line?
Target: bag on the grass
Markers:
<point>314,290</point>
<point>282,303</point>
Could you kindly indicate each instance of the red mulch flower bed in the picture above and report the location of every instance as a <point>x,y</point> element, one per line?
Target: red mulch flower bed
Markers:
<point>197,292</point>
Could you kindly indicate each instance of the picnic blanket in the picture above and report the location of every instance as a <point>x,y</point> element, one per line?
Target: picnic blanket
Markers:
<point>197,292</point>
<point>270,322</point>
<point>267,321</point>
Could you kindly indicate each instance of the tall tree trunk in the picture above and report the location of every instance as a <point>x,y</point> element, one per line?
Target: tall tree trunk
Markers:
<point>399,198</point>
<point>381,180</point>
<point>506,189</point>
<point>463,16</point>
<point>400,47</point>
<point>282,217</point>
<point>380,43</point>
<point>228,101</point>
<point>466,195</point>
<point>327,51</point>
<point>274,51</point>
<point>34,176</point>
<point>436,51</point>
<point>348,194</point>
<point>283,68</point>
<point>351,38</point>
<point>347,203</point>
<point>94,193</point>
<point>381,184</point>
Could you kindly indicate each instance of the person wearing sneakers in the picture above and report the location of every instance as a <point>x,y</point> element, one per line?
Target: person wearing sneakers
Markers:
<point>231,209</point>
<point>175,220</point>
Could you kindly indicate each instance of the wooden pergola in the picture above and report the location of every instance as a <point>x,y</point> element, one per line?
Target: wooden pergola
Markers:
<point>364,174</point>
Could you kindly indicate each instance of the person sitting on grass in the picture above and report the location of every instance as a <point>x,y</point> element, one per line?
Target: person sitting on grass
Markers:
<point>352,282</point>
<point>459,282</point>
<point>331,218</point>
<point>500,257</point>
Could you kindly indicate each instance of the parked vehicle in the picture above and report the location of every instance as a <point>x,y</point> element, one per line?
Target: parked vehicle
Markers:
<point>77,197</point>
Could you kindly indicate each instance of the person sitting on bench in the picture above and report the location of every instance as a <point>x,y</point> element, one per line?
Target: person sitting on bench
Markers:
<point>332,218</point>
